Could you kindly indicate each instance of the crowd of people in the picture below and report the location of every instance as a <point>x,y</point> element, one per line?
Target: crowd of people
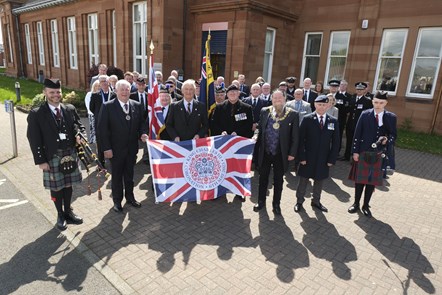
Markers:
<point>300,124</point>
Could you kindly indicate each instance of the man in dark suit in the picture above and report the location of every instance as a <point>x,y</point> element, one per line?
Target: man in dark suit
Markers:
<point>277,137</point>
<point>52,130</point>
<point>265,93</point>
<point>243,87</point>
<point>97,100</point>
<point>291,86</point>
<point>142,97</point>
<point>342,97</point>
<point>165,100</point>
<point>233,116</point>
<point>256,102</point>
<point>121,125</point>
<point>308,94</point>
<point>372,125</point>
<point>187,118</point>
<point>318,150</point>
<point>358,104</point>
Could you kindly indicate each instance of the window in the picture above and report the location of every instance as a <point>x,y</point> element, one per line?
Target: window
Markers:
<point>92,25</point>
<point>337,56</point>
<point>390,60</point>
<point>72,43</point>
<point>140,37</point>
<point>55,49</point>
<point>28,43</point>
<point>114,38</point>
<point>426,63</point>
<point>310,60</point>
<point>41,48</point>
<point>268,54</point>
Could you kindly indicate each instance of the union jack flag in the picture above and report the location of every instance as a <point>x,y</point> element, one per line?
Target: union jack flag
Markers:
<point>201,169</point>
<point>156,121</point>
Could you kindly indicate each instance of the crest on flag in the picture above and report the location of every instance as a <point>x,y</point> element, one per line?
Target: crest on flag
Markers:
<point>201,169</point>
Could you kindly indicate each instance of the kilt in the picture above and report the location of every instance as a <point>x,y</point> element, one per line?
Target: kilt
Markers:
<point>366,172</point>
<point>54,179</point>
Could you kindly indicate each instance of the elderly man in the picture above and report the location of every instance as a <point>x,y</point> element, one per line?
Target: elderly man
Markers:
<point>318,150</point>
<point>165,101</point>
<point>52,130</point>
<point>256,102</point>
<point>243,87</point>
<point>97,100</point>
<point>298,104</point>
<point>283,87</point>
<point>102,70</point>
<point>309,95</point>
<point>277,137</point>
<point>187,118</point>
<point>179,84</point>
<point>159,77</point>
<point>121,125</point>
<point>265,93</point>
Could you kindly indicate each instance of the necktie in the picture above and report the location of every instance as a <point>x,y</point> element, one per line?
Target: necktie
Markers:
<point>126,107</point>
<point>58,114</point>
<point>377,119</point>
<point>254,102</point>
<point>189,110</point>
<point>321,122</point>
<point>306,95</point>
<point>162,109</point>
<point>142,100</point>
<point>298,105</point>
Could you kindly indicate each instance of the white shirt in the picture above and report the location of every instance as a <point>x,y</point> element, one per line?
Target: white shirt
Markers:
<point>166,109</point>
<point>323,118</point>
<point>52,108</point>
<point>122,105</point>
<point>186,103</point>
<point>380,118</point>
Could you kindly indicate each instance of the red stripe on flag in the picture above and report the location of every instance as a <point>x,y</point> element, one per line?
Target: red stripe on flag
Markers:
<point>238,186</point>
<point>167,170</point>
<point>178,192</point>
<point>167,149</point>
<point>239,165</point>
<point>206,141</point>
<point>207,195</point>
<point>230,144</point>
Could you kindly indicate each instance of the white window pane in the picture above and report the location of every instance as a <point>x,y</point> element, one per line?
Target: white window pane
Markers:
<point>337,67</point>
<point>311,67</point>
<point>269,41</point>
<point>388,73</point>
<point>313,44</point>
<point>423,76</point>
<point>340,44</point>
<point>393,43</point>
<point>430,44</point>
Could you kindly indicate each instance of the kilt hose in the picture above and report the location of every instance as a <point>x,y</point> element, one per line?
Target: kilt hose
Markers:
<point>54,179</point>
<point>368,170</point>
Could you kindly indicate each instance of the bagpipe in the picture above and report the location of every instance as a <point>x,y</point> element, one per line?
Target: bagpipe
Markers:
<point>87,158</point>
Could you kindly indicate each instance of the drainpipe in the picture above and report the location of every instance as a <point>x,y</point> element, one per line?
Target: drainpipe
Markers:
<point>20,58</point>
<point>184,37</point>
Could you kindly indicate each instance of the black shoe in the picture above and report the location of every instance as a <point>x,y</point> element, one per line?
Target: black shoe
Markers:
<point>134,203</point>
<point>258,206</point>
<point>277,209</point>
<point>72,218</point>
<point>61,222</point>
<point>366,211</point>
<point>298,207</point>
<point>243,199</point>
<point>319,206</point>
<point>118,208</point>
<point>353,208</point>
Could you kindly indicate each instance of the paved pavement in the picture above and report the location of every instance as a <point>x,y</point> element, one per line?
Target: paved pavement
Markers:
<point>223,246</point>
<point>37,259</point>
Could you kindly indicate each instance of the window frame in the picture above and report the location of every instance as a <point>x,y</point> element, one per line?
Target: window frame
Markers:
<point>92,33</point>
<point>268,76</point>
<point>305,56</point>
<point>72,42</point>
<point>380,57</point>
<point>55,44</point>
<point>40,42</point>
<point>28,43</point>
<point>410,94</point>
<point>329,57</point>
<point>143,38</point>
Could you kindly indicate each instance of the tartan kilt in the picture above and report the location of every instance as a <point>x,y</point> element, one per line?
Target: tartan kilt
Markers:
<point>367,173</point>
<point>54,179</point>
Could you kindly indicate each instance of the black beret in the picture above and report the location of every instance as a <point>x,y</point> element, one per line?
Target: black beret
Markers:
<point>321,98</point>
<point>381,95</point>
<point>52,83</point>
<point>164,89</point>
<point>361,85</point>
<point>232,87</point>
<point>290,79</point>
<point>220,89</point>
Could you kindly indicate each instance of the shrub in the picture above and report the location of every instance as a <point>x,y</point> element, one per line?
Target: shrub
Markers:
<point>74,99</point>
<point>38,100</point>
<point>111,70</point>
